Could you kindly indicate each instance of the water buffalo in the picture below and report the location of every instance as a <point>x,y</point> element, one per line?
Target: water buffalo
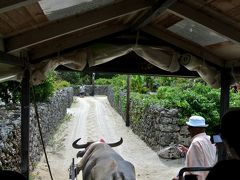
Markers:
<point>100,162</point>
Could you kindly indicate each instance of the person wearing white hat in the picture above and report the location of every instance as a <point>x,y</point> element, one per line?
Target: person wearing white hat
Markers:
<point>201,152</point>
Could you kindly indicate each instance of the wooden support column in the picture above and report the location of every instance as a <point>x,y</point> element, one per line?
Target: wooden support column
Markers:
<point>224,106</point>
<point>128,102</point>
<point>225,90</point>
<point>93,84</point>
<point>25,112</point>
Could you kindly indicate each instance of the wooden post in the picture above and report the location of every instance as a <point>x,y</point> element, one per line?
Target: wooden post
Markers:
<point>224,106</point>
<point>128,102</point>
<point>25,112</point>
<point>225,91</point>
<point>93,84</point>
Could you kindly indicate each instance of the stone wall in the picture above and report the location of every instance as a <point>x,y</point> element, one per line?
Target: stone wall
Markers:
<point>51,114</point>
<point>158,127</point>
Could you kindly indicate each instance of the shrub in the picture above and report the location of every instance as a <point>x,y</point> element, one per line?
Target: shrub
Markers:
<point>59,84</point>
<point>44,90</point>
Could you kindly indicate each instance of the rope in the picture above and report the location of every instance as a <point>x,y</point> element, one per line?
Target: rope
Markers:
<point>40,131</point>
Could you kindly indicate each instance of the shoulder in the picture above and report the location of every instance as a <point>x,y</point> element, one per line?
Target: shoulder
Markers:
<point>201,139</point>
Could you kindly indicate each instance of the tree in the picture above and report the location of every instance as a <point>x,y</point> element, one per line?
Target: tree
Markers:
<point>75,78</point>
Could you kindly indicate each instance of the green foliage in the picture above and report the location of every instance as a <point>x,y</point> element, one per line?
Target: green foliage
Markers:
<point>74,78</point>
<point>61,84</point>
<point>149,82</point>
<point>118,82</point>
<point>10,91</point>
<point>139,104</point>
<point>192,99</point>
<point>234,99</point>
<point>103,81</point>
<point>192,96</point>
<point>137,84</point>
<point>44,90</point>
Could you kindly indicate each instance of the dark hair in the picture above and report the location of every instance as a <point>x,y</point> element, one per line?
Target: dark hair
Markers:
<point>230,126</point>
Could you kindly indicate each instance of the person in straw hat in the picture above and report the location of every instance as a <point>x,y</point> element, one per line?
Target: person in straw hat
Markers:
<point>201,152</point>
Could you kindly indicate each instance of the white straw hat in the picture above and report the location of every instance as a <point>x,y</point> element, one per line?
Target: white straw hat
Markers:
<point>196,121</point>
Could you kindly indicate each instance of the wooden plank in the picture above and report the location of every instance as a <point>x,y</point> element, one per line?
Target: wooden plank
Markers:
<point>212,23</point>
<point>5,27</point>
<point>8,20</point>
<point>37,13</point>
<point>62,43</point>
<point>28,20</point>
<point>8,5</point>
<point>74,23</point>
<point>184,44</point>
<point>216,9</point>
<point>168,20</point>
<point>10,59</point>
<point>156,9</point>
<point>17,19</point>
<point>22,19</point>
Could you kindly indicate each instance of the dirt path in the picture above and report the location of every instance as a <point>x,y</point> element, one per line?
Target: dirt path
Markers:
<point>93,118</point>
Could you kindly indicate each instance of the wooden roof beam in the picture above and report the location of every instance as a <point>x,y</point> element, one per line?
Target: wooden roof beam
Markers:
<point>183,43</point>
<point>73,24</point>
<point>10,59</point>
<point>64,43</point>
<point>134,64</point>
<point>216,25</point>
<point>157,8</point>
<point>8,5</point>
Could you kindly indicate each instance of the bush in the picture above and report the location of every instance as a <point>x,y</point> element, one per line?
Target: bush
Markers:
<point>61,84</point>
<point>139,104</point>
<point>103,81</point>
<point>74,78</point>
<point>44,90</point>
<point>10,91</point>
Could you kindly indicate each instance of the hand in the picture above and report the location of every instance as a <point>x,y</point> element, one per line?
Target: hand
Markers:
<point>175,178</point>
<point>182,148</point>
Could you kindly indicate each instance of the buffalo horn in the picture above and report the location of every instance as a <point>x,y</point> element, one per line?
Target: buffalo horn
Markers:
<point>116,143</point>
<point>79,146</point>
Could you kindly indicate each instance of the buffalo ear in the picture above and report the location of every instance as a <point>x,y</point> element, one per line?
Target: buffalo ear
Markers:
<point>81,153</point>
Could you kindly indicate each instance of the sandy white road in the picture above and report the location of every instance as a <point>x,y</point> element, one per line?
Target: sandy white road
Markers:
<point>93,118</point>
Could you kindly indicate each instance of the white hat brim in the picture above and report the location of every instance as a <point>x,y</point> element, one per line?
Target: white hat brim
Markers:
<point>189,124</point>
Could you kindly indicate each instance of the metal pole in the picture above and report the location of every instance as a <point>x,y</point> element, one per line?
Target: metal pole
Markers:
<point>25,112</point>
